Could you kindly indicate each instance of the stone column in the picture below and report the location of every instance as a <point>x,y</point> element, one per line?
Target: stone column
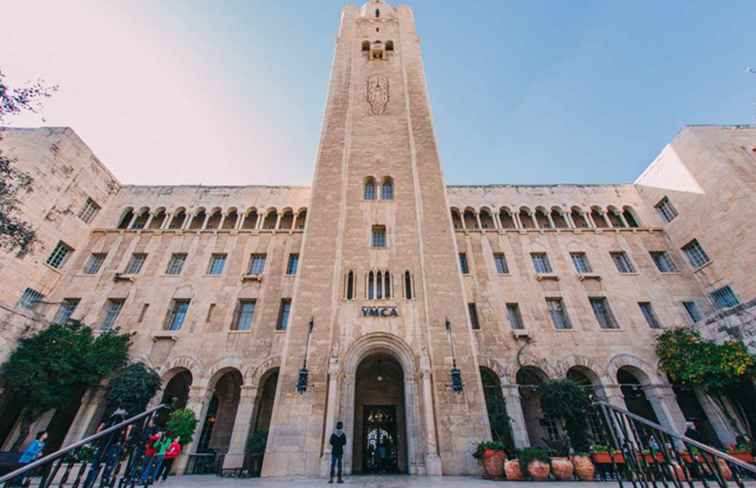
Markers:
<point>513,404</point>
<point>237,446</point>
<point>662,399</point>
<point>93,399</point>
<point>716,418</point>
<point>497,220</point>
<point>432,459</point>
<point>331,412</point>
<point>197,403</point>
<point>551,220</point>
<point>477,219</point>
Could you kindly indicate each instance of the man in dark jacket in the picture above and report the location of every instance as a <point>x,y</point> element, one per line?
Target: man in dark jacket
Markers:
<point>338,441</point>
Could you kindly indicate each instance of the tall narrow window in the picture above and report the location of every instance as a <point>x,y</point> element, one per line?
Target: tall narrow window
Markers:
<point>369,190</point>
<point>95,263</point>
<point>59,255</point>
<point>245,314</point>
<point>663,261</point>
<point>89,210</point>
<point>176,264</point>
<point>387,189</point>
<point>666,211</point>
<point>603,313</point>
<point>692,310</point>
<point>283,314</point>
<point>387,284</point>
<point>541,263</point>
<point>648,313</point>
<point>473,311</point>
<point>515,318</point>
<point>558,314</point>
<point>622,262</point>
<point>112,310</point>
<point>408,285</point>
<point>30,298</point>
<point>580,260</point>
<point>379,285</point>
<point>66,309</point>
<point>501,263</point>
<point>350,286</point>
<point>136,263</point>
<point>177,314</point>
<point>724,298</point>
<point>463,263</point>
<point>695,253</point>
<point>371,286</point>
<point>292,265</point>
<point>379,236</point>
<point>217,263</point>
<point>256,265</point>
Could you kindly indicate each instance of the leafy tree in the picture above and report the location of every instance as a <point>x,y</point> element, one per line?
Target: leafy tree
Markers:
<point>182,423</point>
<point>132,388</point>
<point>54,367</point>
<point>567,401</point>
<point>15,233</point>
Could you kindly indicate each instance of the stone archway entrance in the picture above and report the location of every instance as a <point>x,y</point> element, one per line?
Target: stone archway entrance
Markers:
<point>380,441</point>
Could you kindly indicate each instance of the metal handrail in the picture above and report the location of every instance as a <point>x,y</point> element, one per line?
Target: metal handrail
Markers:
<point>61,452</point>
<point>680,437</point>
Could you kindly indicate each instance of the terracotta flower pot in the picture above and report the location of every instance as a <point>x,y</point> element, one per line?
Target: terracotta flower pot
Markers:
<point>562,468</point>
<point>619,458</point>
<point>602,458</point>
<point>678,472</point>
<point>538,470</point>
<point>743,456</point>
<point>584,468</point>
<point>493,463</point>
<point>724,469</point>
<point>512,470</point>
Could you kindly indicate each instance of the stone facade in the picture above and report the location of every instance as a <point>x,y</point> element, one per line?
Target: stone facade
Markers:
<point>381,279</point>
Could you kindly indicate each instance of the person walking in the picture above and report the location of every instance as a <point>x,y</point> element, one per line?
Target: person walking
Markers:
<point>338,441</point>
<point>32,452</point>
<point>172,453</point>
<point>156,462</point>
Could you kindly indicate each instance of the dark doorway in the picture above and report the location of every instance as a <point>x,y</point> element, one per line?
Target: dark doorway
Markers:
<point>178,389</point>
<point>260,427</point>
<point>694,412</point>
<point>59,425</point>
<point>635,397</point>
<point>10,411</point>
<point>379,440</point>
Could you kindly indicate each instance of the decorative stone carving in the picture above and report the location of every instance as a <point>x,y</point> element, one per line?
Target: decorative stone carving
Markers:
<point>377,94</point>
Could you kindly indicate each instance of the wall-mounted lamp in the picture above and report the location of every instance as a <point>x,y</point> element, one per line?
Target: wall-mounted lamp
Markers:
<point>303,372</point>
<point>456,374</point>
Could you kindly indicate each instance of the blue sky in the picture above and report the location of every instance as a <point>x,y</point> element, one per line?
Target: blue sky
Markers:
<point>522,92</point>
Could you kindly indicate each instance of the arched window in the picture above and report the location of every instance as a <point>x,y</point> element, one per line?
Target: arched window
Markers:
<point>379,285</point>
<point>128,216</point>
<point>177,222</point>
<point>408,285</point>
<point>377,13</point>
<point>231,219</point>
<point>526,219</point>
<point>371,286</point>
<point>198,220</point>
<point>456,219</point>
<point>271,218</point>
<point>158,219</point>
<point>389,45</point>
<point>470,221</point>
<point>369,193</point>
<point>365,46</point>
<point>287,220</point>
<point>542,219</point>
<point>614,217</point>
<point>301,219</point>
<point>387,285</point>
<point>350,286</point>
<point>387,189</point>
<point>598,217</point>
<point>486,220</point>
<point>215,219</point>
<point>250,220</point>
<point>507,222</point>
<point>559,221</point>
<point>141,220</point>
<point>578,218</point>
<point>630,217</point>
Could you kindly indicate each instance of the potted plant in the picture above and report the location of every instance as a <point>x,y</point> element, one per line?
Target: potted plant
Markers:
<point>536,461</point>
<point>584,468</point>
<point>600,454</point>
<point>561,465</point>
<point>512,470</point>
<point>741,452</point>
<point>492,455</point>
<point>182,423</point>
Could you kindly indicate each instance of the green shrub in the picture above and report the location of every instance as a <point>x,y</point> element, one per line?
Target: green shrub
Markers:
<point>566,400</point>
<point>183,423</point>
<point>532,453</point>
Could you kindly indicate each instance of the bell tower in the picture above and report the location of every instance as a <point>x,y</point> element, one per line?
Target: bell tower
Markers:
<point>379,278</point>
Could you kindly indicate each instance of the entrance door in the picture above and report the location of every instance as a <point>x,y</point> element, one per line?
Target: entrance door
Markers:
<point>380,454</point>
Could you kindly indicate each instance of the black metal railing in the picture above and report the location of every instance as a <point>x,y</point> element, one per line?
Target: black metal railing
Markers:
<point>112,457</point>
<point>647,454</point>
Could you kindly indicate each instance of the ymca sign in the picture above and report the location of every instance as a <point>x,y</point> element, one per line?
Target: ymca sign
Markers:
<point>380,312</point>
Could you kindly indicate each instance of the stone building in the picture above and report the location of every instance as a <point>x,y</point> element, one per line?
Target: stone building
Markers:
<point>383,281</point>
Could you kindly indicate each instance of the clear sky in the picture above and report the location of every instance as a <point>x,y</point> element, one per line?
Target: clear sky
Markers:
<point>233,92</point>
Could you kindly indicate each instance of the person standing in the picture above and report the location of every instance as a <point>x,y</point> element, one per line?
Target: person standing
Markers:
<point>172,453</point>
<point>338,441</point>
<point>32,452</point>
<point>153,469</point>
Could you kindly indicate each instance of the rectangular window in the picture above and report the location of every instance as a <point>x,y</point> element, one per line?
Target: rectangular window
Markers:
<point>176,264</point>
<point>217,262</point>
<point>113,309</point>
<point>245,314</point>
<point>622,262</point>
<point>666,211</point>
<point>541,262</point>
<point>256,265</point>
<point>136,263</point>
<point>692,310</point>
<point>65,310</point>
<point>580,260</point>
<point>724,298</point>
<point>177,314</point>
<point>473,311</point>
<point>95,263</point>
<point>30,298</point>
<point>283,314</point>
<point>293,264</point>
<point>603,313</point>
<point>463,263</point>
<point>648,313</point>
<point>558,314</point>
<point>379,236</point>
<point>89,210</point>
<point>501,263</point>
<point>663,261</point>
<point>59,255</point>
<point>695,253</point>
<point>515,318</point>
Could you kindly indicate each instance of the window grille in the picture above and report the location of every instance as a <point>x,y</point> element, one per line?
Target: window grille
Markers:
<point>176,264</point>
<point>30,298</point>
<point>663,261</point>
<point>136,263</point>
<point>666,210</point>
<point>66,309</point>
<point>724,298</point>
<point>580,260</point>
<point>89,210</point>
<point>59,255</point>
<point>541,262</point>
<point>94,263</point>
<point>695,253</point>
<point>692,310</point>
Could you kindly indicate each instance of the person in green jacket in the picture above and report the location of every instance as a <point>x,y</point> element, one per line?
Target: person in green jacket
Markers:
<point>152,471</point>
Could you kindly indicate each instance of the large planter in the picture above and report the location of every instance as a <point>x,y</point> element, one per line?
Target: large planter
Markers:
<point>538,470</point>
<point>493,463</point>
<point>746,457</point>
<point>619,458</point>
<point>602,458</point>
<point>513,471</point>
<point>678,472</point>
<point>562,468</point>
<point>584,468</point>
<point>724,469</point>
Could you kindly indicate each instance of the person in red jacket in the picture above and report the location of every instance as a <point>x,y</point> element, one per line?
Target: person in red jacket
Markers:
<point>172,453</point>
<point>149,450</point>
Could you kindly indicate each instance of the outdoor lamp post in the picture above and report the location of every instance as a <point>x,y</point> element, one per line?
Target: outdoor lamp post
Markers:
<point>303,373</point>
<point>456,374</point>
